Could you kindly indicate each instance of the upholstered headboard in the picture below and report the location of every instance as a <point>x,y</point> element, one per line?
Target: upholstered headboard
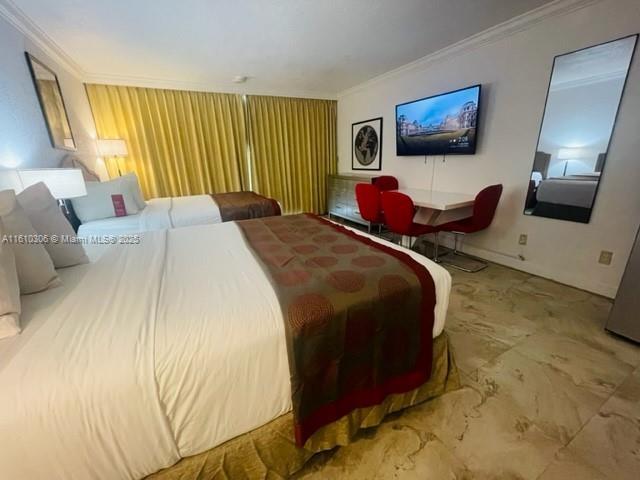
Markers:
<point>541,163</point>
<point>72,161</point>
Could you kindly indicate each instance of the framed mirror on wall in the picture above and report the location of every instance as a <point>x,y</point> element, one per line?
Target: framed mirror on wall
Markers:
<point>52,104</point>
<point>583,99</point>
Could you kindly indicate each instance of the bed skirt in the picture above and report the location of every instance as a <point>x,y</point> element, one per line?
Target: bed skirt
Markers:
<point>270,451</point>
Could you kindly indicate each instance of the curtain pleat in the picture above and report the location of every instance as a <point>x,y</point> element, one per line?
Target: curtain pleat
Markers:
<point>293,150</point>
<point>179,142</point>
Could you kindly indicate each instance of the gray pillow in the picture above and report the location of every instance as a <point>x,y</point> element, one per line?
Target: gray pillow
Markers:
<point>33,264</point>
<point>9,291</point>
<point>134,185</point>
<point>98,204</point>
<point>47,219</point>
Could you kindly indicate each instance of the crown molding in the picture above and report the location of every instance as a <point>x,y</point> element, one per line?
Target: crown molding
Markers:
<point>19,20</point>
<point>590,80</point>
<point>172,84</point>
<point>486,37</point>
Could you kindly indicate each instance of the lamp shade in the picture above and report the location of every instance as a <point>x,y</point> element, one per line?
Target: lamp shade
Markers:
<point>112,148</point>
<point>62,182</point>
<point>10,180</point>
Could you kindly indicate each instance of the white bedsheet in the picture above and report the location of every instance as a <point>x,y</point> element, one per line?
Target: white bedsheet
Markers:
<point>155,352</point>
<point>159,214</point>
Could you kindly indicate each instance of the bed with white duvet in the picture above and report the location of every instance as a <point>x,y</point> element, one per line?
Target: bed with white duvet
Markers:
<point>154,352</point>
<point>158,214</point>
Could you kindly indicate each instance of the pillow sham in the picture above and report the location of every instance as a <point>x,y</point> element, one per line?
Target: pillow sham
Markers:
<point>132,180</point>
<point>33,264</point>
<point>98,203</point>
<point>46,217</point>
<point>9,291</point>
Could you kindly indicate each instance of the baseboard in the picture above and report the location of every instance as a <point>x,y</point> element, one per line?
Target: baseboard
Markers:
<point>513,261</point>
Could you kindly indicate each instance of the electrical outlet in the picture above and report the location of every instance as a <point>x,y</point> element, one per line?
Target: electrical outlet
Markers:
<point>605,257</point>
<point>523,239</point>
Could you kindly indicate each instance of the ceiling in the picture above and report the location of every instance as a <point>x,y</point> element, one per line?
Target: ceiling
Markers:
<point>287,47</point>
<point>608,61</point>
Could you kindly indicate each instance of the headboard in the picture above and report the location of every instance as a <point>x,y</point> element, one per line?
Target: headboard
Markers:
<point>72,161</point>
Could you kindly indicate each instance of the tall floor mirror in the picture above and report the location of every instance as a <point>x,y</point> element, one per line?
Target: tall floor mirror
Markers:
<point>582,104</point>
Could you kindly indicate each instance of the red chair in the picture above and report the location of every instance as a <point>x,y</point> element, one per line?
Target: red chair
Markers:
<point>399,211</point>
<point>385,182</point>
<point>368,198</point>
<point>484,209</point>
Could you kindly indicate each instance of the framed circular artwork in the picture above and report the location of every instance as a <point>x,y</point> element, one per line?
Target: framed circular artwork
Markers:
<point>366,145</point>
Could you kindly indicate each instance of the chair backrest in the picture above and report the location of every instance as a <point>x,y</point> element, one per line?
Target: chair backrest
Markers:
<point>368,198</point>
<point>484,206</point>
<point>386,182</point>
<point>398,212</point>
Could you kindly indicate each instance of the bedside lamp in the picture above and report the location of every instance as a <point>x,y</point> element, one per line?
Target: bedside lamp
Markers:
<point>63,183</point>
<point>112,148</point>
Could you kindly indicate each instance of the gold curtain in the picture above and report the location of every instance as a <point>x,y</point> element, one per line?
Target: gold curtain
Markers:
<point>293,149</point>
<point>179,142</point>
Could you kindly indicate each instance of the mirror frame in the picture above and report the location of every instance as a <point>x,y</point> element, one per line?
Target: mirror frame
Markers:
<point>30,61</point>
<point>613,126</point>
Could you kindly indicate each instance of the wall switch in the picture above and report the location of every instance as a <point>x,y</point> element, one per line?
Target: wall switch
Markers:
<point>605,257</point>
<point>523,239</point>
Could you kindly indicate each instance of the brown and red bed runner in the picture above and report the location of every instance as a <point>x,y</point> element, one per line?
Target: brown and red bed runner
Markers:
<point>244,205</point>
<point>358,315</point>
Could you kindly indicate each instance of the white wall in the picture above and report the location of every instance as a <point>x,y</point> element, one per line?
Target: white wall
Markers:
<point>514,72</point>
<point>580,115</point>
<point>24,142</point>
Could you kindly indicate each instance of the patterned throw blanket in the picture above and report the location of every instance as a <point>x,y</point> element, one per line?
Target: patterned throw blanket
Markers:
<point>358,316</point>
<point>245,205</point>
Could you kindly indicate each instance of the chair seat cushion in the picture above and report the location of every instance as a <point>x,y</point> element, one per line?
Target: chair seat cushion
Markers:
<point>465,225</point>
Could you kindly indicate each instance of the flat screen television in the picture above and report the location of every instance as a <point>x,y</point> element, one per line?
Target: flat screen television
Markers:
<point>442,124</point>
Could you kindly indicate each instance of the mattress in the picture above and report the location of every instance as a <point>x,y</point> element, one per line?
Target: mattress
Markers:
<point>177,342</point>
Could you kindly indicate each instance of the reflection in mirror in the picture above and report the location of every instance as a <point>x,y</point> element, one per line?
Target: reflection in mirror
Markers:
<point>52,104</point>
<point>582,104</point>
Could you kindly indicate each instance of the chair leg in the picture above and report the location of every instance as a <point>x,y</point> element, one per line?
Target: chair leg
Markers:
<point>368,227</point>
<point>481,264</point>
<point>379,229</point>
<point>436,245</point>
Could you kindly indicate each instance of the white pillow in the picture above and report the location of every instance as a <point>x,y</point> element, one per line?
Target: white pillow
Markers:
<point>132,180</point>
<point>47,219</point>
<point>9,291</point>
<point>98,204</point>
<point>33,264</point>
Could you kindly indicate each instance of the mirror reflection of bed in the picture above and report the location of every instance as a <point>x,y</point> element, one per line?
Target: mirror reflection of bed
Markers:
<point>582,104</point>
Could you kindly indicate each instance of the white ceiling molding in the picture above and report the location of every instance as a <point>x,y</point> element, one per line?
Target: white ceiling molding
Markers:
<point>488,36</point>
<point>169,84</point>
<point>588,80</point>
<point>16,17</point>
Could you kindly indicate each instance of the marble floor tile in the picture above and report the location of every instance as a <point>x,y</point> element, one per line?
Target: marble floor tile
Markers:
<point>586,366</point>
<point>473,351</point>
<point>483,320</point>
<point>626,400</point>
<point>487,433</point>
<point>608,445</point>
<point>535,392</point>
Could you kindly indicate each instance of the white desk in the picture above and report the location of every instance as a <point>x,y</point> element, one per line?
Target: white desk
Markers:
<point>439,207</point>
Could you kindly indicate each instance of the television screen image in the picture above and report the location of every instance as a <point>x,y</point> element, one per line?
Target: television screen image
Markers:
<point>442,124</point>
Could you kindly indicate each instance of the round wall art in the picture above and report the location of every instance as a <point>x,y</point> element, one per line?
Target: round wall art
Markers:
<point>366,143</point>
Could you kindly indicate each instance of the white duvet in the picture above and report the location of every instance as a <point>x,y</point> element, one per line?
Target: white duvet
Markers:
<point>159,214</point>
<point>155,352</point>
